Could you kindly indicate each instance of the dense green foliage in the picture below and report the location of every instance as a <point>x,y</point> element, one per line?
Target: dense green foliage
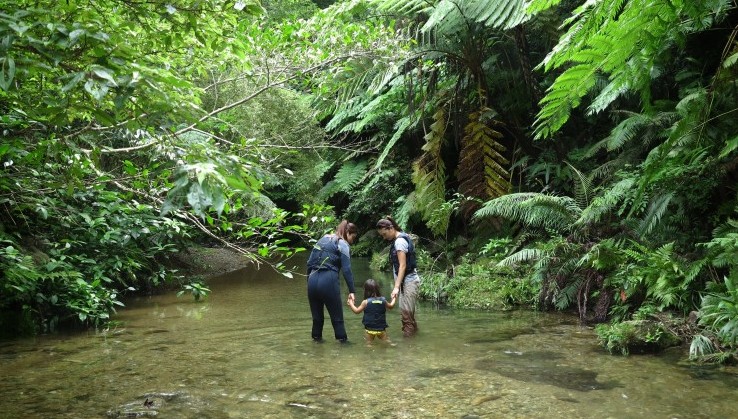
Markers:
<point>560,154</point>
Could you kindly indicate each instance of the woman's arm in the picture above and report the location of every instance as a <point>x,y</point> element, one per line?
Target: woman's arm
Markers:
<point>348,276</point>
<point>355,309</point>
<point>402,259</point>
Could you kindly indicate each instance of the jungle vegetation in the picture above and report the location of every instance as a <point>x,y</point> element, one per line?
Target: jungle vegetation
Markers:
<point>557,154</point>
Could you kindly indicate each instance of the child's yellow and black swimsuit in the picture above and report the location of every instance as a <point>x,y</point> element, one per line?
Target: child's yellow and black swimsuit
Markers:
<point>375,315</point>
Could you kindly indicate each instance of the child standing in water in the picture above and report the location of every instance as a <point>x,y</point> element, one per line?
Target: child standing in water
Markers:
<point>375,309</point>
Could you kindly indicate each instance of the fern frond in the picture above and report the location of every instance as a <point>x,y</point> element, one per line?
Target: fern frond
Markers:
<point>582,187</point>
<point>565,297</point>
<point>429,170</point>
<point>408,208</point>
<point>655,211</point>
<point>449,16</point>
<point>407,7</point>
<point>563,96</point>
<point>505,14</point>
<point>533,7</point>
<point>534,210</point>
<point>347,177</point>
<point>625,40</point>
<point>607,202</point>
<point>401,127</point>
<point>522,256</point>
<point>482,169</point>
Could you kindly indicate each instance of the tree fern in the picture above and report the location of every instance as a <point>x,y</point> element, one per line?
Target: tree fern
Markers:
<point>625,41</point>
<point>482,169</point>
<point>429,171</point>
<point>503,14</point>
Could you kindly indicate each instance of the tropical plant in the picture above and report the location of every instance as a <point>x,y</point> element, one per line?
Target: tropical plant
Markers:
<point>195,288</point>
<point>440,91</point>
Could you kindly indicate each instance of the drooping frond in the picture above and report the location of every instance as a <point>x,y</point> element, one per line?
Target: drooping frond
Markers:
<point>448,15</point>
<point>582,187</point>
<point>408,7</point>
<point>429,170</point>
<point>625,40</point>
<point>401,127</point>
<point>408,208</point>
<point>534,210</point>
<point>348,177</point>
<point>607,202</point>
<point>639,127</point>
<point>503,14</point>
<point>655,211</point>
<point>482,169</point>
<point>536,6</point>
<point>522,256</point>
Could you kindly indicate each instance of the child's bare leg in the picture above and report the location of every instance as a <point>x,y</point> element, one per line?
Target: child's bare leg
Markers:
<point>368,337</point>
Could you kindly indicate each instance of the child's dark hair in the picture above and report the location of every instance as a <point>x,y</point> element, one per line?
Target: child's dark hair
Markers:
<point>372,289</point>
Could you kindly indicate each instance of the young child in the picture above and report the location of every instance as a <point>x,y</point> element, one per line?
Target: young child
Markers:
<point>375,309</point>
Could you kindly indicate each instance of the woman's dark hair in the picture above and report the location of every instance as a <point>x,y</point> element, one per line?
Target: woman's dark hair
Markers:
<point>372,289</point>
<point>345,228</point>
<point>388,222</point>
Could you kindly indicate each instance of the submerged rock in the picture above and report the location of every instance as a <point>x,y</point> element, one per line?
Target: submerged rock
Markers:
<point>546,371</point>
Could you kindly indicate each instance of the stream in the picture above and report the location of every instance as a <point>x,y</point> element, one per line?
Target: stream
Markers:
<point>246,352</point>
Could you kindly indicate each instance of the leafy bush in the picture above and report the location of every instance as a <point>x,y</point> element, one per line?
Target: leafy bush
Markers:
<point>481,284</point>
<point>719,311</point>
<point>635,336</point>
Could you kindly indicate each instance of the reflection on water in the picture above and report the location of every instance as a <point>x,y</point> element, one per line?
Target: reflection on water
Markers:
<point>247,352</point>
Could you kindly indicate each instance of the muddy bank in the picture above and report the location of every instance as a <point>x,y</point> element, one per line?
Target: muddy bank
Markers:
<point>209,261</point>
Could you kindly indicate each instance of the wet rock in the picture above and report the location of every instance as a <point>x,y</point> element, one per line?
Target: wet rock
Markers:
<point>484,399</point>
<point>147,406</point>
<point>436,372</point>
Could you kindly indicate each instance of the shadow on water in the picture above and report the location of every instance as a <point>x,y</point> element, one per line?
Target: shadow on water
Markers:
<point>541,367</point>
<point>499,336</point>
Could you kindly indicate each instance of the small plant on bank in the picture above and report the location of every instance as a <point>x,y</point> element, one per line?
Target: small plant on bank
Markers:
<point>196,288</point>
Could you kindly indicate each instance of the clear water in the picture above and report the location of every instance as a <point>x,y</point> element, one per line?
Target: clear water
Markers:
<point>246,352</point>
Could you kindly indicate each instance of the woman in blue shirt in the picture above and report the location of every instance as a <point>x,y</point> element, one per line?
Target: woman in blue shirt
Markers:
<point>330,255</point>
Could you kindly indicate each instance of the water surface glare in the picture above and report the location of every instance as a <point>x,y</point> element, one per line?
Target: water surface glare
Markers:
<point>246,352</point>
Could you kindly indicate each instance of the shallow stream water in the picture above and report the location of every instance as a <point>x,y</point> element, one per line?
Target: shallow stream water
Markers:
<point>246,352</point>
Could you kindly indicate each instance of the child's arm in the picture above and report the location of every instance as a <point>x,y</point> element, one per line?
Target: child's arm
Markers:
<point>355,309</point>
<point>390,304</point>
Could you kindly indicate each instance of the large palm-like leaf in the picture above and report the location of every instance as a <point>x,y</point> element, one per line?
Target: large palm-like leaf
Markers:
<point>626,40</point>
<point>556,213</point>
